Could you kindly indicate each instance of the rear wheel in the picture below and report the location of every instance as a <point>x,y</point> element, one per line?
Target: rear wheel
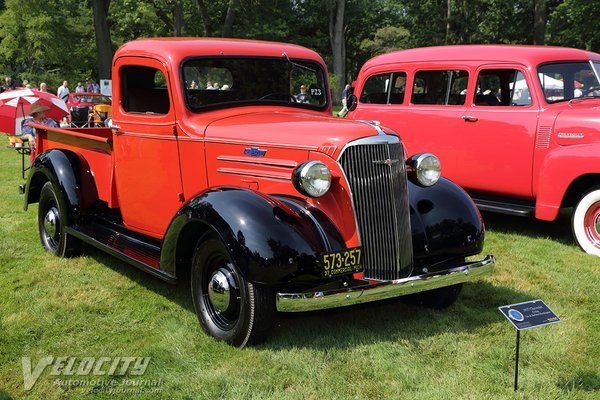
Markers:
<point>586,222</point>
<point>228,307</point>
<point>52,223</point>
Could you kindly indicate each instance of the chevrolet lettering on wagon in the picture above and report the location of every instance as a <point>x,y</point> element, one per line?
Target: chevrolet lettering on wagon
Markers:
<point>216,169</point>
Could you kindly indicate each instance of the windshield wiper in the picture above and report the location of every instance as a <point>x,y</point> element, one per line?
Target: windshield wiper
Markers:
<point>304,67</point>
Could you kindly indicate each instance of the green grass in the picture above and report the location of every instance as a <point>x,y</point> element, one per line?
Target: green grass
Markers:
<point>95,306</point>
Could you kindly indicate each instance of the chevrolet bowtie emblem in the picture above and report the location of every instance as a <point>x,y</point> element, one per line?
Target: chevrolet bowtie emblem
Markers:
<point>387,162</point>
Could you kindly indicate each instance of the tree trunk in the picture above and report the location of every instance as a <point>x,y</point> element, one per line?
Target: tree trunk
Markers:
<point>104,51</point>
<point>204,14</point>
<point>338,45</point>
<point>448,16</point>
<point>539,22</point>
<point>178,22</point>
<point>229,18</point>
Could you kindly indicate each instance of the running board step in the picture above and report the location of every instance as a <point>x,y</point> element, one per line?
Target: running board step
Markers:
<point>127,248</point>
<point>520,210</point>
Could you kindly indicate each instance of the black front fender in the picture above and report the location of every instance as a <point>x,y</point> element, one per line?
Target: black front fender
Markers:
<point>271,240</point>
<point>445,223</point>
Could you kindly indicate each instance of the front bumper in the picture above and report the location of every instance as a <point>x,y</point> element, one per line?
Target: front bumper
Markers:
<point>365,291</point>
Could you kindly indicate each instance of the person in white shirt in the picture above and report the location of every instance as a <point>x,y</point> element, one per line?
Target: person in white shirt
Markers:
<point>63,91</point>
<point>79,88</point>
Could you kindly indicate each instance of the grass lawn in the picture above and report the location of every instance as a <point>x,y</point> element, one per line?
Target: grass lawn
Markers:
<point>96,306</point>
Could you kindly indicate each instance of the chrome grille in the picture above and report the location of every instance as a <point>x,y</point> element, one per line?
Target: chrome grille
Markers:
<point>377,178</point>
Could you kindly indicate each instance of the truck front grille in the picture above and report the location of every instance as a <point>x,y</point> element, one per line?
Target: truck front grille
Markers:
<point>377,177</point>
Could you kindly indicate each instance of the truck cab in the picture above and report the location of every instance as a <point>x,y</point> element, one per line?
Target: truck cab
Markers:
<point>224,166</point>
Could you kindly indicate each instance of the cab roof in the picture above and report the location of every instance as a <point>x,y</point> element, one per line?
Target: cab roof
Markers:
<point>530,56</point>
<point>174,50</point>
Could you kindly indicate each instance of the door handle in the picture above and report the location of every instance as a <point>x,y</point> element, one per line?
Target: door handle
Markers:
<point>469,118</point>
<point>116,129</point>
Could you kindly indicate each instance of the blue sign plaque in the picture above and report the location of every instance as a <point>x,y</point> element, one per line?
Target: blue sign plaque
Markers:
<point>529,314</point>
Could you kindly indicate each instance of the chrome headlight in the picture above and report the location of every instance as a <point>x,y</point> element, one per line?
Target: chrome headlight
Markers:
<point>312,178</point>
<point>425,169</point>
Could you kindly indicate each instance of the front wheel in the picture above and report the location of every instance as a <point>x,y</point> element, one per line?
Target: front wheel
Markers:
<point>228,307</point>
<point>437,299</point>
<point>586,222</point>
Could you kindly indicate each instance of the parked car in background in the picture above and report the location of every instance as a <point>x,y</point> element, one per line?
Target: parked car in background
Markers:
<point>517,126</point>
<point>268,203</point>
<point>83,108</point>
<point>86,99</point>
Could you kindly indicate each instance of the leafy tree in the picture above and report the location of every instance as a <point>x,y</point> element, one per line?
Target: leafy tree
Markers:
<point>569,24</point>
<point>386,39</point>
<point>39,42</point>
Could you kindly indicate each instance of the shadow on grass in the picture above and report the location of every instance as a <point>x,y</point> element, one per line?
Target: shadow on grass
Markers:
<point>393,320</point>
<point>5,396</point>
<point>178,293</point>
<point>588,381</point>
<point>347,327</point>
<point>558,230</point>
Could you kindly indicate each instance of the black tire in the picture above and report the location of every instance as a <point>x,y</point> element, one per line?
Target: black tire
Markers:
<point>437,298</point>
<point>52,221</point>
<point>233,310</point>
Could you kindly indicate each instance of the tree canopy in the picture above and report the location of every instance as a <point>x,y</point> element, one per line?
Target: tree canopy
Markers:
<point>74,40</point>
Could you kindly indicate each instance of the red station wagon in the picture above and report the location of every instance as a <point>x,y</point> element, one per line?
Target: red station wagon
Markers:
<point>517,126</point>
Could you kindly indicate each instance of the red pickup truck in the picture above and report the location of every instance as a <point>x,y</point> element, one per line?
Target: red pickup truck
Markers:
<point>516,126</point>
<point>215,170</point>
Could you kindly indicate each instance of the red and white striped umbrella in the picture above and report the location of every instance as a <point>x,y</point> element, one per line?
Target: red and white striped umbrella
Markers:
<point>15,106</point>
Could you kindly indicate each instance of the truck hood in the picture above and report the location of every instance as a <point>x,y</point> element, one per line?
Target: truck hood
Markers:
<point>299,130</point>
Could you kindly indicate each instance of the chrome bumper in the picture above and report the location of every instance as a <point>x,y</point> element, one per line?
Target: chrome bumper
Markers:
<point>363,293</point>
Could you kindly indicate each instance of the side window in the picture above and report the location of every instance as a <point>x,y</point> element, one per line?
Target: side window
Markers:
<point>520,96</point>
<point>445,87</point>
<point>501,87</point>
<point>144,90</point>
<point>398,88</point>
<point>376,89</point>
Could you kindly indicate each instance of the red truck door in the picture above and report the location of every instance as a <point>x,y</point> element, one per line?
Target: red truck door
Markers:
<point>147,168</point>
<point>498,133</point>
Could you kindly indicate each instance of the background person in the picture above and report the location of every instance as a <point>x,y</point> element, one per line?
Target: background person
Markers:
<point>38,116</point>
<point>63,91</point>
<point>8,84</point>
<point>302,97</point>
<point>345,94</point>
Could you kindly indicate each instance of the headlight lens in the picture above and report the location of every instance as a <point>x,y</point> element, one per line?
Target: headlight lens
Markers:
<point>312,178</point>
<point>426,168</point>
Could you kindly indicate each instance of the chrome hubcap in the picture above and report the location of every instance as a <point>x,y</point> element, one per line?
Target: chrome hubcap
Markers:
<point>51,221</point>
<point>220,289</point>
<point>592,224</point>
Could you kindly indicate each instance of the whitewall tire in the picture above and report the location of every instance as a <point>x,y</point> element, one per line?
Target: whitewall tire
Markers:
<point>586,222</point>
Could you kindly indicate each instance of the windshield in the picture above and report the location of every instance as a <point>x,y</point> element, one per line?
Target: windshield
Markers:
<point>213,82</point>
<point>568,80</point>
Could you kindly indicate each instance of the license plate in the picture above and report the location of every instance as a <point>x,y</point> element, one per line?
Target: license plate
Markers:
<point>342,262</point>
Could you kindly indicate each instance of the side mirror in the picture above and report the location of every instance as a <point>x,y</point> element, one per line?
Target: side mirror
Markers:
<point>352,102</point>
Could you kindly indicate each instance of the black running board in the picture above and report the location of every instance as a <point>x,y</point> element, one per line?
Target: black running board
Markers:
<point>517,209</point>
<point>127,248</point>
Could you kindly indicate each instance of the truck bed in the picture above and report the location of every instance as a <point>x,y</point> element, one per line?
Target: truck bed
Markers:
<point>94,145</point>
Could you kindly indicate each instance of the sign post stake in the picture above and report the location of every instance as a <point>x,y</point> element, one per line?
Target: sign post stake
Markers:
<point>526,315</point>
<point>517,361</point>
